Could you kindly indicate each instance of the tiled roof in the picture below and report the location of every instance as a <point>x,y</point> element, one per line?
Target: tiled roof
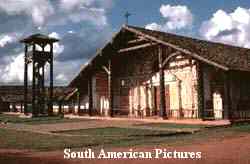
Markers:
<point>231,57</point>
<point>220,55</point>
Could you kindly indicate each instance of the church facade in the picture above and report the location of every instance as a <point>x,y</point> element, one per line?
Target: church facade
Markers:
<point>142,74</point>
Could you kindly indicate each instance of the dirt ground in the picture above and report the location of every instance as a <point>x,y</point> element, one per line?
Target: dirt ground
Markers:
<point>229,150</point>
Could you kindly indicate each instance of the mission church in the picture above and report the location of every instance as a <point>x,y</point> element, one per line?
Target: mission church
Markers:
<point>142,73</point>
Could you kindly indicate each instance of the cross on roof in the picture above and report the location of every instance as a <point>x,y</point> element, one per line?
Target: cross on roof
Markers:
<point>127,15</point>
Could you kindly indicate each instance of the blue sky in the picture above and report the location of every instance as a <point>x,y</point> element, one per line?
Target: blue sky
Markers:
<point>85,25</point>
<point>145,11</point>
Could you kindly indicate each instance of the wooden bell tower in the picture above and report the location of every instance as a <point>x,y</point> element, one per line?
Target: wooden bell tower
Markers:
<point>38,52</point>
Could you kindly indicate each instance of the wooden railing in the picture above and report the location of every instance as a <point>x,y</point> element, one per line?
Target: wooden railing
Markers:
<point>213,114</point>
<point>241,114</point>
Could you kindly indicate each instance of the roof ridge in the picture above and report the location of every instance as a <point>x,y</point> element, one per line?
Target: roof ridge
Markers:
<point>188,37</point>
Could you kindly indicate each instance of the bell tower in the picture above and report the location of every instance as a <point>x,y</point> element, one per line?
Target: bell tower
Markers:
<point>38,53</point>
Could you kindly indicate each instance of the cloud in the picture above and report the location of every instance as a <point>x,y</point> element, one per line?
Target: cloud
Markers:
<point>177,18</point>
<point>36,9</point>
<point>14,71</point>
<point>84,43</point>
<point>76,4</point>
<point>65,71</point>
<point>5,40</point>
<point>80,25</point>
<point>57,47</point>
<point>231,28</point>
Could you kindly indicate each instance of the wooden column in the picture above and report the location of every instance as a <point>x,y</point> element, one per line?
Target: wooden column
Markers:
<point>78,101</point>
<point>90,95</point>
<point>200,90</point>
<point>50,112</point>
<point>43,85</point>
<point>43,92</point>
<point>162,84</point>
<point>110,89</point>
<point>21,107</point>
<point>25,80</point>
<point>153,106</point>
<point>34,107</point>
<point>227,96</point>
<point>60,112</point>
<point>147,110</point>
<point>181,114</point>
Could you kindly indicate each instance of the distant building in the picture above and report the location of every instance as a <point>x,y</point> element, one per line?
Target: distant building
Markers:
<point>12,98</point>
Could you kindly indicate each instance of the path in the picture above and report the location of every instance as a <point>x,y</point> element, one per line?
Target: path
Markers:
<point>229,150</point>
<point>50,128</point>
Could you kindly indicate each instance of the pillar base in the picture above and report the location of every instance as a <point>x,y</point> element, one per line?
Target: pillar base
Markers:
<point>162,118</point>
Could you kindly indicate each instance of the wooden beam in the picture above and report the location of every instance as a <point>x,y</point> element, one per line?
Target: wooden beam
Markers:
<point>180,66</point>
<point>106,69</point>
<point>185,51</point>
<point>169,57</point>
<point>136,47</point>
<point>136,40</point>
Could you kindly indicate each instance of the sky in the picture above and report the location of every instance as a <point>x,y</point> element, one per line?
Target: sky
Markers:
<point>83,26</point>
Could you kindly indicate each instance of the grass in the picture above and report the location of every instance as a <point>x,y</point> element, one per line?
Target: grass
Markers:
<point>116,132</point>
<point>113,137</point>
<point>173,126</point>
<point>35,120</point>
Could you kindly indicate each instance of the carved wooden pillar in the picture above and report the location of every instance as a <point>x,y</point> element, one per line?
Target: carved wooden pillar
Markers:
<point>51,82</point>
<point>90,95</point>
<point>110,89</point>
<point>162,84</point>
<point>200,90</point>
<point>147,110</point>
<point>60,107</point>
<point>26,80</point>
<point>227,96</point>
<point>21,107</point>
<point>78,101</point>
<point>181,114</point>
<point>34,89</point>
<point>153,110</point>
<point>43,92</point>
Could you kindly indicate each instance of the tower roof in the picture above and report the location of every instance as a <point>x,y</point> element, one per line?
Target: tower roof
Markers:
<point>39,38</point>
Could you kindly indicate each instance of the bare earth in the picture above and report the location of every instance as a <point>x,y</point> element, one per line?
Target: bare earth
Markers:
<point>229,150</point>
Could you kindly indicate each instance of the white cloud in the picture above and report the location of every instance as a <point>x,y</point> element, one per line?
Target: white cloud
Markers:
<point>73,4</point>
<point>42,11</point>
<point>83,17</point>
<point>8,38</point>
<point>76,4</point>
<point>66,71</point>
<point>71,32</point>
<point>38,10</point>
<point>57,47</point>
<point>177,17</point>
<point>231,28</point>
<point>54,35</point>
<point>5,40</point>
<point>61,77</point>
<point>78,10</point>
<point>14,71</point>
<point>154,26</point>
